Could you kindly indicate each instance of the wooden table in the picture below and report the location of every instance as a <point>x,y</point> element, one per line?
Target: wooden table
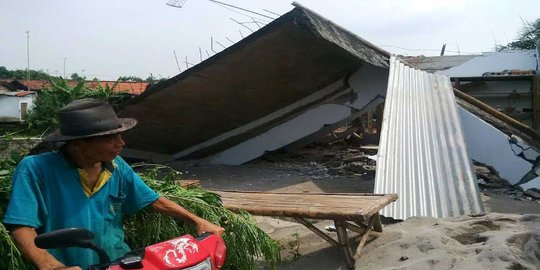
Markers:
<point>358,212</point>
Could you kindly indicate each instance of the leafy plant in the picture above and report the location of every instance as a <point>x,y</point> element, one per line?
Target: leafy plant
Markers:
<point>13,258</point>
<point>23,74</point>
<point>42,114</point>
<point>245,241</point>
<point>294,246</point>
<point>528,37</point>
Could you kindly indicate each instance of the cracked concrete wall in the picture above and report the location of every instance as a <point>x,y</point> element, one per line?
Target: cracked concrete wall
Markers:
<point>490,146</point>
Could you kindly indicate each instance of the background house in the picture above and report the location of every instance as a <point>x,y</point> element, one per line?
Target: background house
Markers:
<point>17,96</point>
<point>14,102</point>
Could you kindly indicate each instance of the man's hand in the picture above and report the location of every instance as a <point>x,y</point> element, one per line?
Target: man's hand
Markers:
<point>206,226</point>
<point>24,238</point>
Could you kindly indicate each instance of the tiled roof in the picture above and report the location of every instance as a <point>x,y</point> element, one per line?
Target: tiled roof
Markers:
<point>17,93</point>
<point>24,93</point>
<point>7,86</point>
<point>134,88</point>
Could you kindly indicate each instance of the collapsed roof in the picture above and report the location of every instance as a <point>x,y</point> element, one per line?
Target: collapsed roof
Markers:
<point>294,56</point>
<point>484,64</point>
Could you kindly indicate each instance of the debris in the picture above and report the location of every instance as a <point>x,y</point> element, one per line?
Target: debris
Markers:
<point>488,177</point>
<point>533,193</point>
<point>370,149</point>
<point>330,228</point>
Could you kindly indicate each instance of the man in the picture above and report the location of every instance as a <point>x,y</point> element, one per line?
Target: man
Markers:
<point>84,184</point>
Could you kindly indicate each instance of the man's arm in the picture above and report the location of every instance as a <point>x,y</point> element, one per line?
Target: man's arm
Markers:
<point>170,208</point>
<point>24,238</point>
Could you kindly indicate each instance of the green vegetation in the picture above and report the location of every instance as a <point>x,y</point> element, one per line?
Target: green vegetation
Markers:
<point>129,79</point>
<point>77,77</point>
<point>22,74</point>
<point>12,258</point>
<point>245,241</point>
<point>292,246</point>
<point>42,115</point>
<point>527,39</point>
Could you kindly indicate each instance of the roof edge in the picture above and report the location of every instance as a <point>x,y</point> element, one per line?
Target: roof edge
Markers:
<point>367,43</point>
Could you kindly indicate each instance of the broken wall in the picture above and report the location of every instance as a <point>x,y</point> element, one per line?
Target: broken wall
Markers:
<point>367,90</point>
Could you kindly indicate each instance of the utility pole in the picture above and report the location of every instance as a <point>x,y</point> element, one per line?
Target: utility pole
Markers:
<point>175,58</point>
<point>28,57</point>
<point>65,67</point>
<point>443,48</point>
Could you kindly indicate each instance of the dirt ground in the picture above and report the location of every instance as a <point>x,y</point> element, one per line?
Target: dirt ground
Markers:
<point>315,170</point>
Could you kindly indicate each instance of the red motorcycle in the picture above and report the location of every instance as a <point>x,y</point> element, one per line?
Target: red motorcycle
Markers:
<point>205,252</point>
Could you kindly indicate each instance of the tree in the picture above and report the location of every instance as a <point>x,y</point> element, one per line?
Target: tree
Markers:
<point>22,74</point>
<point>42,115</point>
<point>152,81</point>
<point>76,77</point>
<point>129,79</point>
<point>4,73</point>
<point>528,37</point>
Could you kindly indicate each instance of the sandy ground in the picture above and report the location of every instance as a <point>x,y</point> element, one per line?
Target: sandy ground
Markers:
<point>502,239</point>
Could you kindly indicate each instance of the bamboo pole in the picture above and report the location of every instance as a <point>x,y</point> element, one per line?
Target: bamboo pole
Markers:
<point>499,115</point>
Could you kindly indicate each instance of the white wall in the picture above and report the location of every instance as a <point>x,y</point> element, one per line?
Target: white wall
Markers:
<point>10,106</point>
<point>490,146</point>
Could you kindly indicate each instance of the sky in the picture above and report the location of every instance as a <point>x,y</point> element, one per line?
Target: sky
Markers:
<point>106,39</point>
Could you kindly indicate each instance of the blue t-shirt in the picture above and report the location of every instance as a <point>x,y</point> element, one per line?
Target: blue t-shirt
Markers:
<point>47,194</point>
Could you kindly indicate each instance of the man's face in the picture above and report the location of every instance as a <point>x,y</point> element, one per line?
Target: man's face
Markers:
<point>103,148</point>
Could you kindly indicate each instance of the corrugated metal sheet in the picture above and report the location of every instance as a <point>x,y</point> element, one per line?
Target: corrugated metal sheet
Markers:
<point>422,155</point>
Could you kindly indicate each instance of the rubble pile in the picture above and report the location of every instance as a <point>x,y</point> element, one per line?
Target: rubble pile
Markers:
<point>490,181</point>
<point>331,161</point>
<point>341,153</point>
<point>347,158</point>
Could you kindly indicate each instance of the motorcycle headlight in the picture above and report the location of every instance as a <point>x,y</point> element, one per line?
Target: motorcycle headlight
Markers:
<point>204,265</point>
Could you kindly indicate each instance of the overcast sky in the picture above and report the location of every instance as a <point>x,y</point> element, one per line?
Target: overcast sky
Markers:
<point>111,38</point>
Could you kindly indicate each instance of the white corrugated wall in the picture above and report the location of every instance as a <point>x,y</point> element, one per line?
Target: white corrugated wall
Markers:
<point>422,153</point>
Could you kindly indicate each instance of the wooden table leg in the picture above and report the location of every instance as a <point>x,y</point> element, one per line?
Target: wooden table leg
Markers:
<point>377,226</point>
<point>364,238</point>
<point>344,242</point>
<point>318,232</point>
